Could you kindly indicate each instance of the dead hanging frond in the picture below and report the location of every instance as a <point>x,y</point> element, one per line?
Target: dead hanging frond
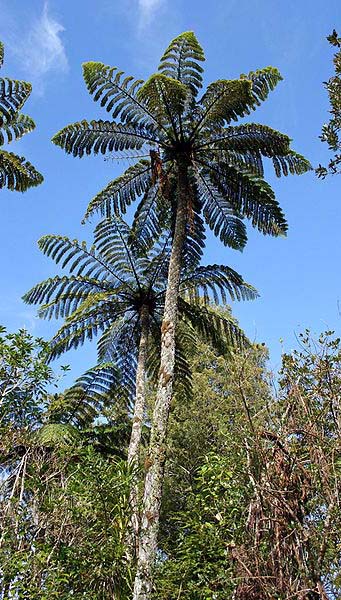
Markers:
<point>158,173</point>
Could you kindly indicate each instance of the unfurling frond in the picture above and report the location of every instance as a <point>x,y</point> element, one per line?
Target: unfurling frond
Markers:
<point>181,61</point>
<point>13,95</point>
<point>17,173</point>
<point>121,192</point>
<point>15,129</point>
<point>117,94</point>
<point>100,137</point>
<point>219,281</point>
<point>165,98</point>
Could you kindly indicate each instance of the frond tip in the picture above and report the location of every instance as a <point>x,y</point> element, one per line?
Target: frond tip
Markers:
<point>17,173</point>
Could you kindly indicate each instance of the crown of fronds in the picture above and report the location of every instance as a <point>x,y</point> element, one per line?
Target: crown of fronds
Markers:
<point>16,173</point>
<point>108,285</point>
<point>164,117</point>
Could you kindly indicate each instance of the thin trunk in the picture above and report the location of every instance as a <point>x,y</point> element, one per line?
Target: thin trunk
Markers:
<point>157,449</point>
<point>136,431</point>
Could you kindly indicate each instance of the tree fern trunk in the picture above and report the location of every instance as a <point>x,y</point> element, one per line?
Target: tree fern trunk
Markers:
<point>157,449</point>
<point>136,431</point>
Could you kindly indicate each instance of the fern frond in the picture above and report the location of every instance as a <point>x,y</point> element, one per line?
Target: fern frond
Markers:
<point>101,136</point>
<point>112,240</point>
<point>250,196</point>
<point>55,435</point>
<point>220,214</point>
<point>16,128</point>
<point>219,331</point>
<point>96,389</point>
<point>61,296</point>
<point>292,163</point>
<point>217,280</point>
<point>181,61</point>
<point>224,101</point>
<point>13,95</point>
<point>165,98</point>
<point>121,192</point>
<point>117,94</point>
<point>2,51</point>
<point>17,173</point>
<point>84,324</point>
<point>119,344</point>
<point>263,81</point>
<point>252,137</point>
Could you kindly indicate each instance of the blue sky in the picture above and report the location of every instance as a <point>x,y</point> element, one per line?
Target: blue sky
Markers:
<point>46,42</point>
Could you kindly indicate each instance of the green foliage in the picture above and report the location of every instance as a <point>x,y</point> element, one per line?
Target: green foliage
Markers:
<point>181,61</point>
<point>107,286</point>
<point>24,377</point>
<point>16,173</point>
<point>331,130</point>
<point>163,118</point>
<point>252,494</point>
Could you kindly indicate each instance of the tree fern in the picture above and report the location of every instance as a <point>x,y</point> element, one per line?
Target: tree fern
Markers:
<point>108,284</point>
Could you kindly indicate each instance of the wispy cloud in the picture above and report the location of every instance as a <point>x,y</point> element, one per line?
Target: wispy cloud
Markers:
<point>44,49</point>
<point>147,11</point>
<point>36,44</point>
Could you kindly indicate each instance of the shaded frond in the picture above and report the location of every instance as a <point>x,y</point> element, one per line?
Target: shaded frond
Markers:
<point>84,324</point>
<point>219,214</point>
<point>217,280</point>
<point>112,240</point>
<point>181,61</point>
<point>15,129</point>
<point>13,95</point>
<point>118,344</point>
<point>100,137</point>
<point>60,296</point>
<point>250,197</point>
<point>219,331</point>
<point>17,173</point>
<point>122,191</point>
<point>94,390</point>
<point>252,137</point>
<point>1,54</point>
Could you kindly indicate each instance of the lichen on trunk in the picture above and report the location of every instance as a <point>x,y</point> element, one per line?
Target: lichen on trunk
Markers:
<point>157,447</point>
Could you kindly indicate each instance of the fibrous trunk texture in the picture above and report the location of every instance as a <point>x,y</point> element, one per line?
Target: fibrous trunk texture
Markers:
<point>136,431</point>
<point>157,450</point>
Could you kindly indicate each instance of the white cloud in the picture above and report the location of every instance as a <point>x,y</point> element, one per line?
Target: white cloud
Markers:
<point>147,11</point>
<point>45,51</point>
